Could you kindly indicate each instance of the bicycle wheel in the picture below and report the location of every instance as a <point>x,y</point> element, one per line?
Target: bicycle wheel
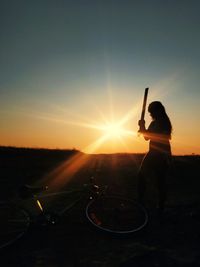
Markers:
<point>116,214</point>
<point>13,224</point>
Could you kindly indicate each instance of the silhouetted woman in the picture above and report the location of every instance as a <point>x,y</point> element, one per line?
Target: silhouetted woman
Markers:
<point>157,160</point>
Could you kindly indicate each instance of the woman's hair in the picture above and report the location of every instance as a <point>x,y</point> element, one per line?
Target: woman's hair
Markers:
<point>157,111</point>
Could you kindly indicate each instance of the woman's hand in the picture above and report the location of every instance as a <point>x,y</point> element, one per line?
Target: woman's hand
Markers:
<point>141,124</point>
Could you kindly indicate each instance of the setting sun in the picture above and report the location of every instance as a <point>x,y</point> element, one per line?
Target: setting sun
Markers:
<point>113,136</point>
<point>114,130</point>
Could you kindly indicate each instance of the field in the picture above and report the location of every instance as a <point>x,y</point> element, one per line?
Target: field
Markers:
<point>73,242</point>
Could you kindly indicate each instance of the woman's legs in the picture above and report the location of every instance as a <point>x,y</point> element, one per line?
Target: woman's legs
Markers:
<point>162,192</point>
<point>161,185</point>
<point>141,177</point>
<point>157,165</point>
<point>141,187</point>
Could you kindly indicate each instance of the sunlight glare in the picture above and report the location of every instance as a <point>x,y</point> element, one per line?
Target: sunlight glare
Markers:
<point>114,130</point>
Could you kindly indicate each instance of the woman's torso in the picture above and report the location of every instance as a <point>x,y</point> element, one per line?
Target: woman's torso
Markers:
<point>161,142</point>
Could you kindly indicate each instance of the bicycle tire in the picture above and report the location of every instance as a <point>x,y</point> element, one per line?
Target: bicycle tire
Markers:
<point>14,223</point>
<point>116,214</point>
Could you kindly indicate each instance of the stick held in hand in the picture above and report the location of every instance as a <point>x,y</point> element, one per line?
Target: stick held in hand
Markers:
<point>142,121</point>
<point>144,104</point>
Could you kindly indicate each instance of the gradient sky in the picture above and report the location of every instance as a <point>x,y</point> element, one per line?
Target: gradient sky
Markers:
<point>69,66</point>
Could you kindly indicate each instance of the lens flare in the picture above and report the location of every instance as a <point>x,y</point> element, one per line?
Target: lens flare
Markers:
<point>115,130</point>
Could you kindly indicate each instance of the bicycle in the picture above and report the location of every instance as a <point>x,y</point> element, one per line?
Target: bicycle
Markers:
<point>114,214</point>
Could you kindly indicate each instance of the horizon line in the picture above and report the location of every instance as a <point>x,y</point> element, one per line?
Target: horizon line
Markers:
<point>78,150</point>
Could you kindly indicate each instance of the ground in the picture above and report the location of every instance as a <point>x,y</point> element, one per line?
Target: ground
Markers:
<point>174,241</point>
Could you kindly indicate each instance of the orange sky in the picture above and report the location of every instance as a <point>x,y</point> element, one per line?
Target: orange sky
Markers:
<point>87,127</point>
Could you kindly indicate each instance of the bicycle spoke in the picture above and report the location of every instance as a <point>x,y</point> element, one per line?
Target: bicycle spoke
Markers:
<point>13,224</point>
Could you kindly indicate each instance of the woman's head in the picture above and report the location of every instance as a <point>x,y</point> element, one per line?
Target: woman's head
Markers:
<point>158,113</point>
<point>156,110</point>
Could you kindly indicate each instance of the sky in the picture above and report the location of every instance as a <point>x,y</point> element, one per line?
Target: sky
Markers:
<point>73,72</point>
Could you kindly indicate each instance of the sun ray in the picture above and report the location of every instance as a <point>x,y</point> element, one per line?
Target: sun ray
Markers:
<point>95,145</point>
<point>102,115</point>
<point>72,114</point>
<point>167,85</point>
<point>110,128</point>
<point>130,114</point>
<point>107,124</point>
<point>65,172</point>
<point>110,96</point>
